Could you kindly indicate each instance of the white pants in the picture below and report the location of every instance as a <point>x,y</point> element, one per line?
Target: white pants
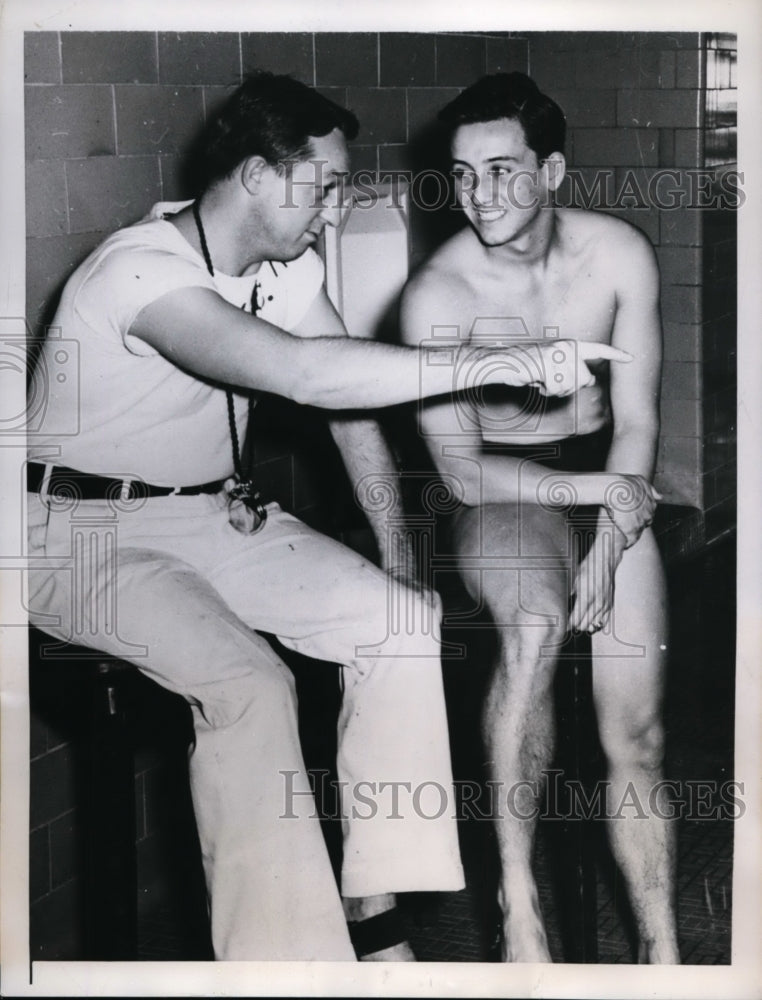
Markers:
<point>169,585</point>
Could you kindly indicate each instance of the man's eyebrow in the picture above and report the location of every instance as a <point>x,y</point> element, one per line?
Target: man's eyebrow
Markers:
<point>333,179</point>
<point>490,159</point>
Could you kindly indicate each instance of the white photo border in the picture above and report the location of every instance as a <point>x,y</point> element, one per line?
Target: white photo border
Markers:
<point>743,978</point>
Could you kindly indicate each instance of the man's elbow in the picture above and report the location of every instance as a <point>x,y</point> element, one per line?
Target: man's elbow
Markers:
<point>321,386</point>
<point>300,389</point>
<point>305,378</point>
<point>308,388</point>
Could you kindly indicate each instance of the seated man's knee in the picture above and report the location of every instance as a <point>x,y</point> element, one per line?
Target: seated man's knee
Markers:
<point>256,695</point>
<point>402,618</point>
<point>486,530</point>
<point>634,742</point>
<point>529,608</point>
<point>530,648</point>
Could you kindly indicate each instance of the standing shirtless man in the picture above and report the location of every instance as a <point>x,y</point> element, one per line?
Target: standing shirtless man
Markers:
<point>526,268</point>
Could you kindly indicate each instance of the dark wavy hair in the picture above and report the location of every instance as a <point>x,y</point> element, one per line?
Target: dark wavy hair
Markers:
<point>270,116</point>
<point>514,96</point>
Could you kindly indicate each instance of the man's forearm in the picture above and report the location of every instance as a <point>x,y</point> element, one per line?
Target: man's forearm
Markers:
<point>633,450</point>
<point>492,478</point>
<point>488,477</point>
<point>372,470</point>
<point>345,373</point>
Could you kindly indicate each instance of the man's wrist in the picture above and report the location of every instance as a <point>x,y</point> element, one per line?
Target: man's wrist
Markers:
<point>574,489</point>
<point>393,551</point>
<point>608,528</point>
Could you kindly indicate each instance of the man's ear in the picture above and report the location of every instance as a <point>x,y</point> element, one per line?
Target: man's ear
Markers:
<point>252,171</point>
<point>555,168</point>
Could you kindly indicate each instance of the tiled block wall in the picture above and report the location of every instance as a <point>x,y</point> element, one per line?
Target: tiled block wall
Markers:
<point>110,115</point>
<point>634,103</point>
<point>719,295</point>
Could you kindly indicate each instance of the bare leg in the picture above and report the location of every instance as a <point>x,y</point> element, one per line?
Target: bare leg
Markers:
<point>528,607</point>
<point>628,697</point>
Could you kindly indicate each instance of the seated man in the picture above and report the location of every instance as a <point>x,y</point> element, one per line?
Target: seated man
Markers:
<point>524,268</point>
<point>145,534</point>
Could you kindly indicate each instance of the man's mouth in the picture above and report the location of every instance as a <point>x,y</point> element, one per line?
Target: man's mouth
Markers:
<point>491,215</point>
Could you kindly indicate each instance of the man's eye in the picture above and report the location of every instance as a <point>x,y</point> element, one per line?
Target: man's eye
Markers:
<point>334,193</point>
<point>500,171</point>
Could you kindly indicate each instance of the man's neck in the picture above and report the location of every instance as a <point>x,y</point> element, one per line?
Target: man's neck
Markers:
<point>531,246</point>
<point>227,239</point>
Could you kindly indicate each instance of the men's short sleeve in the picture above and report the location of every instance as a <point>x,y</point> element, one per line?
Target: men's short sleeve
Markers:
<point>123,279</point>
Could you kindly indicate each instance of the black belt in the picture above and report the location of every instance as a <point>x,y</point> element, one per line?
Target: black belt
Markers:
<point>86,486</point>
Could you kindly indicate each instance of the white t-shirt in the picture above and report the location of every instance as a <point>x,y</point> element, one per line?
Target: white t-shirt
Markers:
<point>112,404</point>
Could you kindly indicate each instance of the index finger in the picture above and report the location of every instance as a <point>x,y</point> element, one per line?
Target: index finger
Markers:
<point>589,349</point>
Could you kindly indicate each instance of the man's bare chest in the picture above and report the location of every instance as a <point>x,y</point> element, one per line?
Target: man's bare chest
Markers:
<point>576,306</point>
<point>580,305</point>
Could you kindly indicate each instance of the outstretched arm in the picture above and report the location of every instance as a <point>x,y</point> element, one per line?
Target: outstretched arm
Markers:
<point>198,330</point>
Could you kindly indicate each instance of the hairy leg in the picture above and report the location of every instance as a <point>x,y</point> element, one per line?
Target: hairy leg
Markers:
<point>528,604</point>
<point>628,671</point>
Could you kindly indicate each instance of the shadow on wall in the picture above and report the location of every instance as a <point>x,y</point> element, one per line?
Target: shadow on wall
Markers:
<point>434,214</point>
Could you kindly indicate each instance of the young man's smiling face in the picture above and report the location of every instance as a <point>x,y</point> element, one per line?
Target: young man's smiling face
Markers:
<point>501,185</point>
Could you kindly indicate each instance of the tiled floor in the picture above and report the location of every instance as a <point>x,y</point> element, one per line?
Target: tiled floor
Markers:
<point>460,927</point>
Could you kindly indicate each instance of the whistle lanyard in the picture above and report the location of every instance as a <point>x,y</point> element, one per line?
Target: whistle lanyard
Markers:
<point>244,489</point>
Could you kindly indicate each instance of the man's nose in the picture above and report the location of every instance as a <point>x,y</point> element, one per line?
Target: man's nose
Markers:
<point>482,192</point>
<point>331,212</point>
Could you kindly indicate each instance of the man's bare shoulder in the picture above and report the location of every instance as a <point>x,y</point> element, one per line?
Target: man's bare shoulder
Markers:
<point>618,257</point>
<point>441,280</point>
<point>618,241</point>
<point>447,261</point>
